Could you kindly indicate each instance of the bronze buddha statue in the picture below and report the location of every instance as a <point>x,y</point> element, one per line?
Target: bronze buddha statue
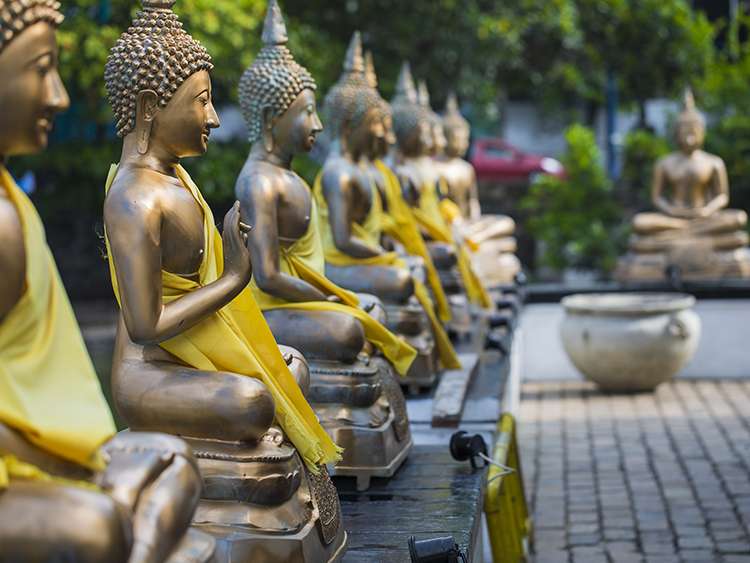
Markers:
<point>692,229</point>
<point>69,490</point>
<point>356,397</point>
<point>494,259</point>
<point>194,355</point>
<point>419,136</point>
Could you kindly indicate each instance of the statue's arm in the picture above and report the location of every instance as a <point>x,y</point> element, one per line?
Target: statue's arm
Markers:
<point>720,187</point>
<point>12,258</point>
<point>657,191</point>
<point>134,228</point>
<point>259,207</point>
<point>338,189</point>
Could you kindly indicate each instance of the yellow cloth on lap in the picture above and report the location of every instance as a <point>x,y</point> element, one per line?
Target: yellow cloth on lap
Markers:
<point>370,232</point>
<point>304,259</point>
<point>49,391</point>
<point>237,339</point>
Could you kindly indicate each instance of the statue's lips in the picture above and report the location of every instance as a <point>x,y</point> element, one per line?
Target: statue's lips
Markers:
<point>44,124</point>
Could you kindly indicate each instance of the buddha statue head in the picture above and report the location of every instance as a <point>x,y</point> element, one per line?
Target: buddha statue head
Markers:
<point>457,129</point>
<point>437,146</point>
<point>383,145</point>
<point>353,107</point>
<point>411,122</point>
<point>690,128</point>
<point>277,95</point>
<point>31,92</point>
<point>158,85</point>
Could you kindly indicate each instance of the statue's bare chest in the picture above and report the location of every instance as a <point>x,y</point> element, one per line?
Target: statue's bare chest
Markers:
<point>182,239</point>
<point>295,207</point>
<point>689,172</point>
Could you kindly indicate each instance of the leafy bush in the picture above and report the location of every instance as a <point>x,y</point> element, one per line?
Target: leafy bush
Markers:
<point>575,217</point>
<point>641,151</point>
<point>730,139</point>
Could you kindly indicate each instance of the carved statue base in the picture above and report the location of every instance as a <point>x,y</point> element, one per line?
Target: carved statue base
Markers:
<point>696,260</point>
<point>412,323</point>
<point>362,407</point>
<point>261,504</point>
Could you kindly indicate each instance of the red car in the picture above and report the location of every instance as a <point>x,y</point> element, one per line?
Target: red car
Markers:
<point>498,161</point>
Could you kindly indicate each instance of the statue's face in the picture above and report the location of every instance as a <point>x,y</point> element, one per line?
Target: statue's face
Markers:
<point>426,138</point>
<point>31,92</point>
<point>298,127</point>
<point>369,135</point>
<point>438,138</point>
<point>458,141</point>
<point>184,126</point>
<point>690,135</point>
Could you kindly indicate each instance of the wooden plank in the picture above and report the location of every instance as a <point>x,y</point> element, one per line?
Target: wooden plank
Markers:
<point>448,403</point>
<point>430,496</point>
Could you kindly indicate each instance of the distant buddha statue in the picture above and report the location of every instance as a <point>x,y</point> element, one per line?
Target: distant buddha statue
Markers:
<point>359,402</point>
<point>419,135</point>
<point>194,355</point>
<point>692,229</point>
<point>351,211</point>
<point>490,235</point>
<point>69,490</point>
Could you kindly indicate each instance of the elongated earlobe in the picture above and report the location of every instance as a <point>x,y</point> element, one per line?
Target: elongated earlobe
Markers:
<point>147,105</point>
<point>267,138</point>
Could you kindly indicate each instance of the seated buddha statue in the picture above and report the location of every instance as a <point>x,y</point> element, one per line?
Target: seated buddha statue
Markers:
<point>692,229</point>
<point>357,398</point>
<point>494,259</point>
<point>351,212</point>
<point>69,490</point>
<point>418,131</point>
<point>194,356</point>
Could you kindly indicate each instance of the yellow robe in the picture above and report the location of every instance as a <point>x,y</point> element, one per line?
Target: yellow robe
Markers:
<point>430,217</point>
<point>370,232</point>
<point>304,259</point>
<point>399,223</point>
<point>49,390</point>
<point>237,339</point>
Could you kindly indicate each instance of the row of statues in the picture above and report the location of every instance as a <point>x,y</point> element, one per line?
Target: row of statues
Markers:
<point>248,362</point>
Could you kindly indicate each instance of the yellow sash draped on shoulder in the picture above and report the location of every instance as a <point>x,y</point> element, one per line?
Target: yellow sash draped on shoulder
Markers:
<point>370,231</point>
<point>49,391</point>
<point>431,219</point>
<point>402,226</point>
<point>237,339</point>
<point>304,259</point>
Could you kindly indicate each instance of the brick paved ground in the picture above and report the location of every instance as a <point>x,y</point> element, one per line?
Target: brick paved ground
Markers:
<point>657,477</point>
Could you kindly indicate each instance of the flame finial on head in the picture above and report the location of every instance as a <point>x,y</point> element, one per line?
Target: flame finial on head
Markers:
<point>370,74</point>
<point>405,90</point>
<point>424,95</point>
<point>354,61</point>
<point>689,113</point>
<point>158,4</point>
<point>452,118</point>
<point>274,28</point>
<point>451,105</point>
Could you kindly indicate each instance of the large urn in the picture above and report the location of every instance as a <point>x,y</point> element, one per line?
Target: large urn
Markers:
<point>630,341</point>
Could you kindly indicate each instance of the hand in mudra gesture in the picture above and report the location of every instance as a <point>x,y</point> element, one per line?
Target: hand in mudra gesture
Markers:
<point>234,238</point>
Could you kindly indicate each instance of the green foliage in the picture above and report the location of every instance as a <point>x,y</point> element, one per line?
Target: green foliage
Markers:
<point>575,217</point>
<point>641,151</point>
<point>654,47</point>
<point>730,139</point>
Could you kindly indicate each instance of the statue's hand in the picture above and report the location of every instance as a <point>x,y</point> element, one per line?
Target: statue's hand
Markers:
<point>236,255</point>
<point>334,299</point>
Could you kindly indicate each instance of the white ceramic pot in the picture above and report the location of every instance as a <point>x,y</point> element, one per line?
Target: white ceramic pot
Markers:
<point>630,341</point>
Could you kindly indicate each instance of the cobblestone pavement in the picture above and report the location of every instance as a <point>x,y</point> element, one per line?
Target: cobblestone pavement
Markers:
<point>656,477</point>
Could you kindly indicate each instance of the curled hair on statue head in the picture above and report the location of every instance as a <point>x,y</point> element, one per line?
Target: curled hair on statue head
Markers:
<point>274,79</point>
<point>155,54</point>
<point>18,15</point>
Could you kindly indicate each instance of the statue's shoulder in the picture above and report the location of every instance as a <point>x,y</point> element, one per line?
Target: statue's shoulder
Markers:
<point>134,193</point>
<point>259,177</point>
<point>12,254</point>
<point>338,173</point>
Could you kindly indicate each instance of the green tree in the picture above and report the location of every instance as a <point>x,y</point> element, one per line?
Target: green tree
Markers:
<point>576,218</point>
<point>654,47</point>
